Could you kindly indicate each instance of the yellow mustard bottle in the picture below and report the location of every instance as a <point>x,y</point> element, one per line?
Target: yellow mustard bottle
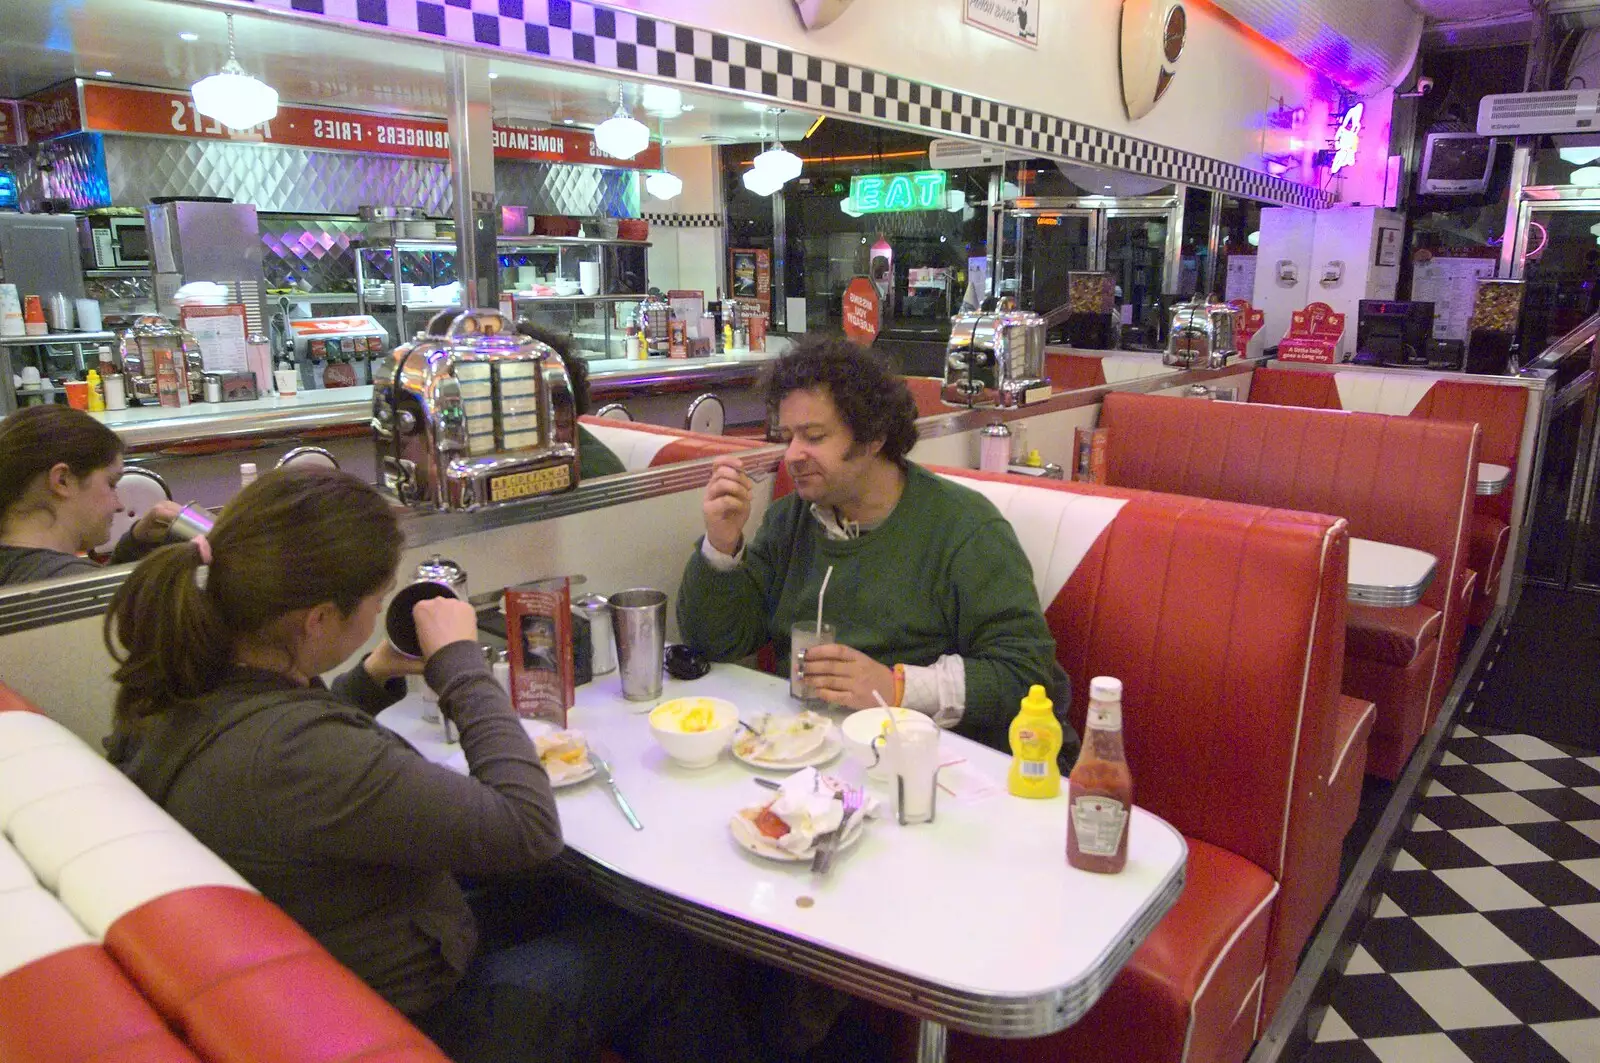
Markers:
<point>97,400</point>
<point>1035,743</point>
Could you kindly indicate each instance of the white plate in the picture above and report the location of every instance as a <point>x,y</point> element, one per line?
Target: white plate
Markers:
<point>829,749</point>
<point>457,761</point>
<point>580,773</point>
<point>753,841</point>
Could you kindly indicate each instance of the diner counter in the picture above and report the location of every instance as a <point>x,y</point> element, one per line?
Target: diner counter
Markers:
<point>322,408</point>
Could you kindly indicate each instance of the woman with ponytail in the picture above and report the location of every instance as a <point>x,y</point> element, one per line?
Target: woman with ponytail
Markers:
<point>222,720</point>
<point>58,477</point>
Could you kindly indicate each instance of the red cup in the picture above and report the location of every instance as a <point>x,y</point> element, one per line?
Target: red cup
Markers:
<point>78,394</point>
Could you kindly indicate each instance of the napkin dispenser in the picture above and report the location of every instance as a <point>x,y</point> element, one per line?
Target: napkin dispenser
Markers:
<point>478,415</point>
<point>995,359</point>
<point>154,342</point>
<point>1202,335</point>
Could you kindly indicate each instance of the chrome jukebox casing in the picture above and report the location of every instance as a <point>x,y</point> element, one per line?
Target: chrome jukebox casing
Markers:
<point>995,359</point>
<point>477,416</point>
<point>1202,335</point>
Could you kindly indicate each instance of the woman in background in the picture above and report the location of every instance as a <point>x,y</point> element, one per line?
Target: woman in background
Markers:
<point>221,719</point>
<point>59,469</point>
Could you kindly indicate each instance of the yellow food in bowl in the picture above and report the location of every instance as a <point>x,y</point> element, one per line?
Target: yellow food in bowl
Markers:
<point>690,715</point>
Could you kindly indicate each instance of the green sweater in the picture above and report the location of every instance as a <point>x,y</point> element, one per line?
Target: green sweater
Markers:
<point>944,573</point>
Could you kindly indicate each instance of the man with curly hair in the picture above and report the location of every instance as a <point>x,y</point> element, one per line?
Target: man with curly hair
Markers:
<point>931,595</point>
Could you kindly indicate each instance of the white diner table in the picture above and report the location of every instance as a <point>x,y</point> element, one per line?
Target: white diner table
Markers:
<point>973,922</point>
<point>1492,478</point>
<point>1387,575</point>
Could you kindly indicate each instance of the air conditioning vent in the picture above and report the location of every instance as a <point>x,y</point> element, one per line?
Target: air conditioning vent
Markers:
<point>1530,113</point>
<point>715,138</point>
<point>952,154</point>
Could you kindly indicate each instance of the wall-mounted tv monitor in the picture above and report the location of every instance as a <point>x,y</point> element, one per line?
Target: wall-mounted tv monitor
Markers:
<point>1455,164</point>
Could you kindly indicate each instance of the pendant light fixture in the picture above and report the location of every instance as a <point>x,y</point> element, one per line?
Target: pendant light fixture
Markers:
<point>622,136</point>
<point>232,97</point>
<point>778,161</point>
<point>661,184</point>
<point>760,182</point>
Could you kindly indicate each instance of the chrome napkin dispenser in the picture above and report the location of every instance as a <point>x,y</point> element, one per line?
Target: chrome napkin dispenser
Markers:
<point>995,359</point>
<point>1202,335</point>
<point>478,415</point>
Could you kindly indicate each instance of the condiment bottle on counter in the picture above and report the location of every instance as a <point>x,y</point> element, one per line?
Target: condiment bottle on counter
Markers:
<point>247,474</point>
<point>116,389</point>
<point>97,401</point>
<point>1035,743</point>
<point>1100,788</point>
<point>643,351</point>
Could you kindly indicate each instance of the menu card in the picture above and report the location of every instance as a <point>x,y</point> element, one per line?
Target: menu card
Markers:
<point>539,649</point>
<point>1089,447</point>
<point>220,332</point>
<point>1241,282</point>
<point>1314,335</point>
<point>1451,285</point>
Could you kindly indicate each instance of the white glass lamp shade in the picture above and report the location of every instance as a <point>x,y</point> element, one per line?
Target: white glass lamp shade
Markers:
<point>1588,177</point>
<point>848,205</point>
<point>234,98</point>
<point>760,182</point>
<point>783,164</point>
<point>955,200</point>
<point>1254,239</point>
<point>1581,156</point>
<point>663,185</point>
<point>622,136</point>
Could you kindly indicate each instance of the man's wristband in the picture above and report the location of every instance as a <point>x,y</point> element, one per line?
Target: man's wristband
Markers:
<point>899,685</point>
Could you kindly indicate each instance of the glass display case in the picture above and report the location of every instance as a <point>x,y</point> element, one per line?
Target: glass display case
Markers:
<point>587,287</point>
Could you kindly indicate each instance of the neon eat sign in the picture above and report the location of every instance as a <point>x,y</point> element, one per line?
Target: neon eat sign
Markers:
<point>1347,140</point>
<point>892,192</point>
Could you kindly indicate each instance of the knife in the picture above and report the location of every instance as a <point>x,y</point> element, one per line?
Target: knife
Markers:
<point>603,770</point>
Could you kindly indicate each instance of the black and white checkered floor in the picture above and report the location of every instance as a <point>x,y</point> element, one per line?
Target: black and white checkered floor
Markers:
<point>1486,945</point>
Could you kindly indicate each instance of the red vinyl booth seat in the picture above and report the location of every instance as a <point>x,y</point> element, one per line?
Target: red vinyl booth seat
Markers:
<point>1497,409</point>
<point>1401,480</point>
<point>1225,624</point>
<point>182,945</point>
<point>645,446</point>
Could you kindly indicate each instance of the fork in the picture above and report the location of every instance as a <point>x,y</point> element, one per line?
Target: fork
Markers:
<point>828,844</point>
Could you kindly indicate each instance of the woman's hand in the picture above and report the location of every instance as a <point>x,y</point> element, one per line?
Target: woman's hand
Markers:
<point>442,621</point>
<point>847,677</point>
<point>152,527</point>
<point>386,663</point>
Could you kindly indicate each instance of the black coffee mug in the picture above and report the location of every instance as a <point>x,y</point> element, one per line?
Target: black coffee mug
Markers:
<point>684,662</point>
<point>400,625</point>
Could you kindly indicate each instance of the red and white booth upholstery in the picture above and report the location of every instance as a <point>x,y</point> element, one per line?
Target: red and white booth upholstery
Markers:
<point>1225,623</point>
<point>1400,480</point>
<point>645,446</point>
<point>1497,409</point>
<point>123,938</point>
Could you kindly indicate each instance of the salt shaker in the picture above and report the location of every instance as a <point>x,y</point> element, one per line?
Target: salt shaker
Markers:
<point>994,448</point>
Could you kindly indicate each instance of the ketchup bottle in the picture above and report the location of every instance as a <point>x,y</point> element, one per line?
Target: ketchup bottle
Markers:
<point>1100,788</point>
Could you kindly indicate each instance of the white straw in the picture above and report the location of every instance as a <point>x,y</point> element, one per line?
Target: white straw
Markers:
<point>826,576</point>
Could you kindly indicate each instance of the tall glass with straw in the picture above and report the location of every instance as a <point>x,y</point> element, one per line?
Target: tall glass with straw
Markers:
<point>803,635</point>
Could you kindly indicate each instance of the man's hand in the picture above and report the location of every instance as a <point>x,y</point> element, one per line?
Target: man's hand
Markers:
<point>847,677</point>
<point>152,527</point>
<point>726,505</point>
<point>386,662</point>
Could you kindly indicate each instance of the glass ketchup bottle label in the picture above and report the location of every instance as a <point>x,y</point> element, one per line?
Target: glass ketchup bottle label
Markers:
<point>1098,822</point>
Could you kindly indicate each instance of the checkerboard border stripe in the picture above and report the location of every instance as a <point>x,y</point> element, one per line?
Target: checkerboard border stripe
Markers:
<point>685,221</point>
<point>582,34</point>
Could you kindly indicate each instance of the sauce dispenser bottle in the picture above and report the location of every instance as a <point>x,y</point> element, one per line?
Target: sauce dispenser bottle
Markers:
<point>1035,743</point>
<point>1100,788</point>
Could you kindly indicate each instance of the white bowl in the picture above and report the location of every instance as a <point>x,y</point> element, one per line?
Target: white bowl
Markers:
<point>694,749</point>
<point>860,728</point>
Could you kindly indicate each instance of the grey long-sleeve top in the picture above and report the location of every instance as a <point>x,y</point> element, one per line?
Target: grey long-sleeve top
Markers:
<point>345,826</point>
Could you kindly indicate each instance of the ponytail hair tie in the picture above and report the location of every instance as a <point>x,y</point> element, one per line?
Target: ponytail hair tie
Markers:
<point>202,544</point>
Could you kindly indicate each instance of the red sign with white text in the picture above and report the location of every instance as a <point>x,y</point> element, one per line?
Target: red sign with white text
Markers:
<point>10,124</point>
<point>1250,321</point>
<point>1313,335</point>
<point>156,112</point>
<point>52,112</point>
<point>862,317</point>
